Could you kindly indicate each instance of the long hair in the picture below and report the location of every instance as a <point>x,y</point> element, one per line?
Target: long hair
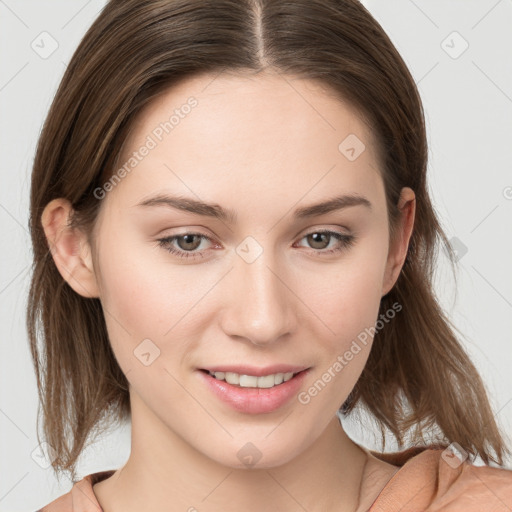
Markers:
<point>417,374</point>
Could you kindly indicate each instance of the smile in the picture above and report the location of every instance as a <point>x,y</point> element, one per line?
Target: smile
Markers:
<point>252,381</point>
<point>247,395</point>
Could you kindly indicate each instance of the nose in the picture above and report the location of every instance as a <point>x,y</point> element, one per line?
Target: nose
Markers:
<point>259,299</point>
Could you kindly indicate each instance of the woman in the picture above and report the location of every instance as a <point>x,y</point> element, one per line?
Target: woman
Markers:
<point>233,238</point>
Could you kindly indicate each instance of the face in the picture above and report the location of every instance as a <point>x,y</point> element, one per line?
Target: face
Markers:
<point>273,282</point>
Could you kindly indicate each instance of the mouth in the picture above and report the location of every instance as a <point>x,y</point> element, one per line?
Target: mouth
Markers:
<point>254,394</point>
<point>253,381</point>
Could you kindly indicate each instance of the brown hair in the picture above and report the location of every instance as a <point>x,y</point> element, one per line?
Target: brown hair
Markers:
<point>417,373</point>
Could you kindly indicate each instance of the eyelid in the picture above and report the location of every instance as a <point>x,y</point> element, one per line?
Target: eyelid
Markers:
<point>325,227</point>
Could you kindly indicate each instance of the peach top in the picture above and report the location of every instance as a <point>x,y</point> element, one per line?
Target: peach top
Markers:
<point>427,481</point>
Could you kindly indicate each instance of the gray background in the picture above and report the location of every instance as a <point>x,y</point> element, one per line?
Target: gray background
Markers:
<point>468,102</point>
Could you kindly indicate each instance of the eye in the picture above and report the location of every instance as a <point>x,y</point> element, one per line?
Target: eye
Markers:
<point>317,240</point>
<point>185,245</point>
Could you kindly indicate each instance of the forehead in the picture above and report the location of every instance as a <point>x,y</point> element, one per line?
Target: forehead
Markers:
<point>249,133</point>
<point>242,106</point>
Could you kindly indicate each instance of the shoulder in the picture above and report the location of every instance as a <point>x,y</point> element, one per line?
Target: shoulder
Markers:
<point>470,486</point>
<point>432,478</point>
<point>81,497</point>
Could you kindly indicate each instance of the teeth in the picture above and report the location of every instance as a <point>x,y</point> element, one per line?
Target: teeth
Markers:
<point>251,381</point>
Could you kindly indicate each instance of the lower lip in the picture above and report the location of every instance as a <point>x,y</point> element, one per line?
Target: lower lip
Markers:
<point>255,400</point>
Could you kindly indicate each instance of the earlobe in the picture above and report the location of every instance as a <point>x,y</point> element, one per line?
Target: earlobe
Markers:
<point>70,248</point>
<point>398,252</point>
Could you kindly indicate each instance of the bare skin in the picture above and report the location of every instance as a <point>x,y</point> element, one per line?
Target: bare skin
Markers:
<point>262,148</point>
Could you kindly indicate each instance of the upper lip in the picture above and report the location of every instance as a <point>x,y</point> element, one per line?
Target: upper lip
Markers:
<point>254,370</point>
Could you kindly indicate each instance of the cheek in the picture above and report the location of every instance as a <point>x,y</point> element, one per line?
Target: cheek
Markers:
<point>348,309</point>
<point>141,292</point>
<point>347,301</point>
<point>145,297</point>
<point>346,296</point>
<point>132,296</point>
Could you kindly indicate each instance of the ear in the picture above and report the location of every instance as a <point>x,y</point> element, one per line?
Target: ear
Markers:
<point>398,250</point>
<point>70,248</point>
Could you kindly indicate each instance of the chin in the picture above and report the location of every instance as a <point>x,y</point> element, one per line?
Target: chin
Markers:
<point>257,455</point>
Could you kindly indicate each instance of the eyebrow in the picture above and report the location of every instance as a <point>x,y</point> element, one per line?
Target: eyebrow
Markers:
<point>228,215</point>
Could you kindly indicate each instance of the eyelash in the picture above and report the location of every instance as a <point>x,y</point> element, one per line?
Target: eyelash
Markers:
<point>346,241</point>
